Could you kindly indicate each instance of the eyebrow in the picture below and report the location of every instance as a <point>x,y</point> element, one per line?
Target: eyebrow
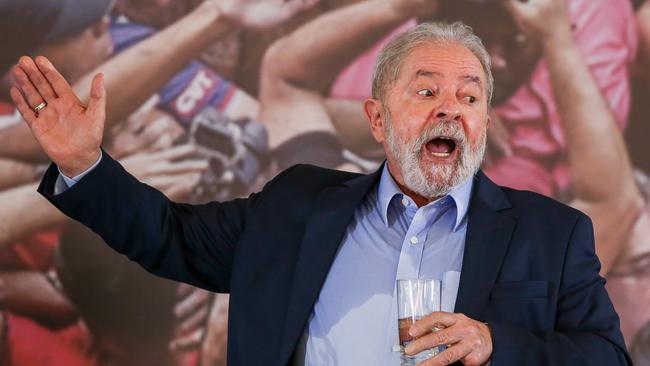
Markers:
<point>431,74</point>
<point>428,74</point>
<point>472,79</point>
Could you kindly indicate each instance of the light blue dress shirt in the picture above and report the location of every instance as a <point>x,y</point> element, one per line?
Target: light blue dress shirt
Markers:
<point>64,182</point>
<point>354,321</point>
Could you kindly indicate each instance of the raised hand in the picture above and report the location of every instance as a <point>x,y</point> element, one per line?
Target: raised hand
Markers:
<point>541,19</point>
<point>69,131</point>
<point>261,14</point>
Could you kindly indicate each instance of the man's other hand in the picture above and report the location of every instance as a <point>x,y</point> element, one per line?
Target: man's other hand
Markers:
<point>69,131</point>
<point>468,341</point>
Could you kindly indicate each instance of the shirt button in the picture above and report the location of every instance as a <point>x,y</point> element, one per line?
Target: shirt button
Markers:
<point>405,202</point>
<point>414,240</point>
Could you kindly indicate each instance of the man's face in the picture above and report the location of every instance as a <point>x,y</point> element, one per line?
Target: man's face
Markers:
<point>513,55</point>
<point>435,120</point>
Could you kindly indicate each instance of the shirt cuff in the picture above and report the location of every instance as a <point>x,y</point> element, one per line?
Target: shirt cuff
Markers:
<point>64,182</point>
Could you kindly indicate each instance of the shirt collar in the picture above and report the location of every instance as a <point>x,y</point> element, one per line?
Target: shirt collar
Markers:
<point>389,189</point>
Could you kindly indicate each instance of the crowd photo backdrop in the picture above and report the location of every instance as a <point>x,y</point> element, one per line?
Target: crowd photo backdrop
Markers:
<point>205,112</point>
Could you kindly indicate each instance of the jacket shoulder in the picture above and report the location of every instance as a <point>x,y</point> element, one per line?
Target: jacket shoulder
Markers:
<point>310,177</point>
<point>535,205</point>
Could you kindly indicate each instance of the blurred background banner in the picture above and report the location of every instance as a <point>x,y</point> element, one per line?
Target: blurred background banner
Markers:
<point>252,100</point>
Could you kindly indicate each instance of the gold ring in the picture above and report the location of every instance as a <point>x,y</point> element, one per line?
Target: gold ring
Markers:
<point>40,107</point>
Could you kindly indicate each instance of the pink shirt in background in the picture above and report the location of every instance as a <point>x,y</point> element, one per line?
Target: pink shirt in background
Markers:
<point>605,32</point>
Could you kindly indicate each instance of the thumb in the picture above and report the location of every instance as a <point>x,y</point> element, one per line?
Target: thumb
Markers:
<point>97,102</point>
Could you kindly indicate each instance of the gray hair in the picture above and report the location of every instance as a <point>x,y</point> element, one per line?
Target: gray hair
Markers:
<point>390,59</point>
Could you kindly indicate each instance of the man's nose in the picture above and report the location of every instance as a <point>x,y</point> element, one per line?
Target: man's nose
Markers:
<point>449,110</point>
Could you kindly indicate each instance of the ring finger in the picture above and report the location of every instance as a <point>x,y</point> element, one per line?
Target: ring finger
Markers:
<point>26,87</point>
<point>37,78</point>
<point>449,355</point>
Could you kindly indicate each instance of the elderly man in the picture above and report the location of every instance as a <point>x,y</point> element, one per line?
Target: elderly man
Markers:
<point>311,261</point>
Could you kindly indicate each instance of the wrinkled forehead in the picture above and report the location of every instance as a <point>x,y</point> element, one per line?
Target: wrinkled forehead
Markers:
<point>442,61</point>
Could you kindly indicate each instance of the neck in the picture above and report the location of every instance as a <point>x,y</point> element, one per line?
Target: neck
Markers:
<point>417,198</point>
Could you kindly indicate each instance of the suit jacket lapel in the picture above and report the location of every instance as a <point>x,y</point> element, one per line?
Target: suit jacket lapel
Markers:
<point>486,243</point>
<point>332,212</point>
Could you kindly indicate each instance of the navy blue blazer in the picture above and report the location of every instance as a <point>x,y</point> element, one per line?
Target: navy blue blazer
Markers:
<point>529,268</point>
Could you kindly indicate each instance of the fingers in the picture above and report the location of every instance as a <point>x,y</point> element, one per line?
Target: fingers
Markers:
<point>37,78</point>
<point>180,167</point>
<point>25,110</point>
<point>184,289</point>
<point>55,79</point>
<point>189,304</point>
<point>26,87</point>
<point>97,102</point>
<point>440,338</point>
<point>449,355</point>
<point>178,152</point>
<point>467,339</point>
<point>197,319</point>
<point>189,341</point>
<point>438,319</point>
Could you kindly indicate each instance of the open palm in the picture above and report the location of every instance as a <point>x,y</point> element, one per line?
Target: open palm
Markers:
<point>69,132</point>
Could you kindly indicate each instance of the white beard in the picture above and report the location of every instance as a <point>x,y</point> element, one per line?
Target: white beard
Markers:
<point>430,180</point>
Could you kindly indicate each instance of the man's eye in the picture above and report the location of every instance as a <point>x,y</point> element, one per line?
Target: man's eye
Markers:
<point>470,99</point>
<point>425,93</point>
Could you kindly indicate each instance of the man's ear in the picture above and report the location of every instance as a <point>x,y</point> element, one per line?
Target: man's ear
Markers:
<point>376,113</point>
<point>489,120</point>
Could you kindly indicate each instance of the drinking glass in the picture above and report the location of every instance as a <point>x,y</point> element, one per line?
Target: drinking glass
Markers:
<point>416,298</point>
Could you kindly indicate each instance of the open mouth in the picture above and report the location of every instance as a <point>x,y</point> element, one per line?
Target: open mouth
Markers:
<point>441,147</point>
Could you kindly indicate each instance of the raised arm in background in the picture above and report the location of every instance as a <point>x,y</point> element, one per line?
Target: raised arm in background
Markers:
<point>298,70</point>
<point>135,74</point>
<point>603,184</point>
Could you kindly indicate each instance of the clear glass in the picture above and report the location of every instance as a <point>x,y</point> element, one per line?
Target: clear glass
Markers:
<point>416,298</point>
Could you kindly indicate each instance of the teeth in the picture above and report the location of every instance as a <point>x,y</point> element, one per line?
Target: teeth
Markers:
<point>441,155</point>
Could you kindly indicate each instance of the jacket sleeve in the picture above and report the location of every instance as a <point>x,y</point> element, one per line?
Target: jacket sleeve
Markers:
<point>189,243</point>
<point>587,328</point>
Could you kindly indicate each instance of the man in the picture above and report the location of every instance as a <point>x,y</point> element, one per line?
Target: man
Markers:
<point>316,253</point>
